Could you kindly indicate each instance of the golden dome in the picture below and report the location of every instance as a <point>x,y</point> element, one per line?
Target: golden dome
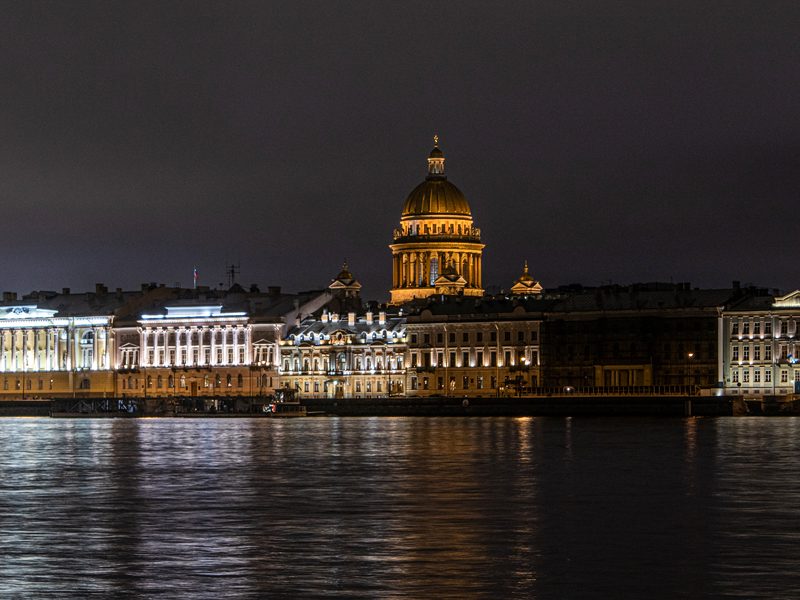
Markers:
<point>345,274</point>
<point>525,276</point>
<point>436,197</point>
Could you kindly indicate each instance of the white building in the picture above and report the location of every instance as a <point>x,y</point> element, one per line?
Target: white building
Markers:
<point>759,346</point>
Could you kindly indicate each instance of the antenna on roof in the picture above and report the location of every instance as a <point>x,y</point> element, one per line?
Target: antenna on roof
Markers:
<point>231,271</point>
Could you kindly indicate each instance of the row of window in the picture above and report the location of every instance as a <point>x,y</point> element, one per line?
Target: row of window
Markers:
<point>784,376</point>
<point>231,338</point>
<point>745,327</point>
<point>28,384</point>
<point>756,353</point>
<point>467,383</point>
<point>466,362</point>
<point>341,361</point>
<point>391,386</point>
<point>465,337</point>
<point>132,383</point>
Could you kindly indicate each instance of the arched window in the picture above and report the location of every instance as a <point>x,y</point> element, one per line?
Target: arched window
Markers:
<point>218,381</point>
<point>130,383</point>
<point>171,381</point>
<point>205,380</point>
<point>183,381</point>
<point>85,384</point>
<point>229,380</point>
<point>160,382</point>
<point>305,365</point>
<point>316,364</point>
<point>149,381</point>
<point>240,381</point>
<point>124,384</point>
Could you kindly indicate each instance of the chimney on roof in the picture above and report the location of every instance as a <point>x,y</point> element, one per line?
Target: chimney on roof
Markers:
<point>325,315</point>
<point>737,285</point>
<point>9,296</point>
<point>369,317</point>
<point>382,317</point>
<point>274,290</point>
<point>687,286</point>
<point>145,287</point>
<point>119,292</point>
<point>254,288</point>
<point>296,303</point>
<point>351,318</point>
<point>99,289</point>
<point>65,291</point>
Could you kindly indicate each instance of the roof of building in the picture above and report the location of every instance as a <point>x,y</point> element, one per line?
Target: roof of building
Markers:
<point>615,298</point>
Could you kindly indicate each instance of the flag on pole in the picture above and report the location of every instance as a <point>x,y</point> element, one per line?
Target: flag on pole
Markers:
<point>195,278</point>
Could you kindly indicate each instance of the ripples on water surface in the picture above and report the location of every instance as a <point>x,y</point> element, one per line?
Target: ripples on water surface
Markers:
<point>400,508</point>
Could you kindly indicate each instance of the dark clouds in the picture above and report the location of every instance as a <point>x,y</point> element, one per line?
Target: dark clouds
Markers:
<point>599,141</point>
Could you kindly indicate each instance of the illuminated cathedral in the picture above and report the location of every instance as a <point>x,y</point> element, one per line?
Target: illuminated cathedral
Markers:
<point>436,250</point>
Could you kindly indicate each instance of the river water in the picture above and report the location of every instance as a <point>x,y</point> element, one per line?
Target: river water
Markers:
<point>400,508</point>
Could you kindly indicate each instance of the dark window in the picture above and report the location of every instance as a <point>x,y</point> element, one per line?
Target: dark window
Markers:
<point>439,338</point>
<point>413,338</point>
<point>507,336</point>
<point>427,338</point>
<point>465,337</point>
<point>479,336</point>
<point>452,360</point>
<point>534,336</point>
<point>493,336</point>
<point>520,336</point>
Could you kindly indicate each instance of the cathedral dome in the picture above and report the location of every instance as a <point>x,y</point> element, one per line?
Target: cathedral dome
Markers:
<point>436,195</point>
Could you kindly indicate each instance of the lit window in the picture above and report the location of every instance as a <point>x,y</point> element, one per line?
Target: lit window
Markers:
<point>735,376</point>
<point>768,376</point>
<point>756,376</point>
<point>784,376</point>
<point>746,376</point>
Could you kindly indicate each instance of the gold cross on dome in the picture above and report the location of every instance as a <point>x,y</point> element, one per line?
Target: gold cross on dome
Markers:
<point>436,140</point>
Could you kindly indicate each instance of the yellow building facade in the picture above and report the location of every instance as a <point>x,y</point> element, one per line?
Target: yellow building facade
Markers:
<point>436,250</point>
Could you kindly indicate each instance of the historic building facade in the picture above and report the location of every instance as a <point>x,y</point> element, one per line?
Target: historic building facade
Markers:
<point>660,335</point>
<point>55,344</point>
<point>207,342</point>
<point>436,250</point>
<point>346,351</point>
<point>475,347</point>
<point>759,345</point>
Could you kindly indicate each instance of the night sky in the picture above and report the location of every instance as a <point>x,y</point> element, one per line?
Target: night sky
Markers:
<point>600,141</point>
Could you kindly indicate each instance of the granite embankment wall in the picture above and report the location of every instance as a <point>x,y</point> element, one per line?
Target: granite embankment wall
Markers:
<point>519,407</point>
<point>24,408</point>
<point>673,406</point>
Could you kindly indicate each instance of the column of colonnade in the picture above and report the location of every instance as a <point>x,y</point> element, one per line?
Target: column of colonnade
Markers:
<point>22,350</point>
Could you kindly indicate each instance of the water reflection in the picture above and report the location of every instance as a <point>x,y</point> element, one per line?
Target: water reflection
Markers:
<point>399,508</point>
